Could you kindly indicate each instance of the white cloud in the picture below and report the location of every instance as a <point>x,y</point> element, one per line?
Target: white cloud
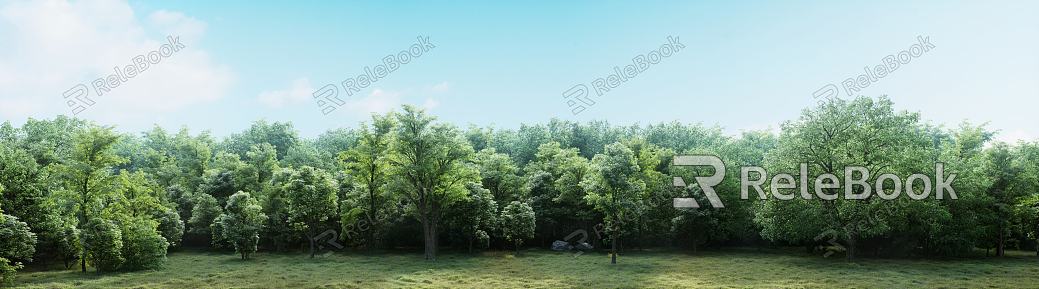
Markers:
<point>380,101</point>
<point>430,103</point>
<point>1013,136</point>
<point>439,88</point>
<point>299,91</point>
<point>50,46</point>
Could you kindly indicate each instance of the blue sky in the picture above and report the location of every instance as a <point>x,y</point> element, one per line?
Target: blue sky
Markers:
<point>745,65</point>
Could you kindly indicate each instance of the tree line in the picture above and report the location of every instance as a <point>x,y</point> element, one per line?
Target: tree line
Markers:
<point>84,194</point>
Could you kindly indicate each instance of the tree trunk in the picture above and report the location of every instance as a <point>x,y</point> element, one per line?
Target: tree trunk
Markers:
<point>695,243</point>
<point>809,248</point>
<point>429,234</point>
<point>311,237</point>
<point>849,255</point>
<point>613,259</point>
<point>518,241</point>
<point>999,247</point>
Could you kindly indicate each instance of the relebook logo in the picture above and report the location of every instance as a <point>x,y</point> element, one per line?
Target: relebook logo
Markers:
<point>102,85</point>
<point>389,64</point>
<point>822,182</point>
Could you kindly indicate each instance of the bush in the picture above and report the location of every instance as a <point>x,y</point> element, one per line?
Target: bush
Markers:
<point>143,246</point>
<point>16,241</point>
<point>242,223</point>
<point>170,225</point>
<point>7,271</point>
<point>103,243</point>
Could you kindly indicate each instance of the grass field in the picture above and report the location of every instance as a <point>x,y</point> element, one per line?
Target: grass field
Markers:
<point>538,268</point>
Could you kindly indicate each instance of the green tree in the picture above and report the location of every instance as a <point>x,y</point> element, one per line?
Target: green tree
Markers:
<point>206,210</point>
<point>87,173</point>
<point>25,184</point>
<point>242,223</point>
<point>366,162</point>
<point>428,162</point>
<point>143,246</point>
<point>278,229</point>
<point>220,184</point>
<point>103,244</point>
<point>474,215</point>
<point>312,199</point>
<point>614,187</point>
<point>518,220</point>
<point>17,242</point>
<point>828,139</point>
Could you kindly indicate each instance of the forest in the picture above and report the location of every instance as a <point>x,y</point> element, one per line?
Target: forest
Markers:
<point>75,193</point>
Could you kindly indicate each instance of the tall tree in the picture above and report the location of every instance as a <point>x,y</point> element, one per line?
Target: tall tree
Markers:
<point>429,161</point>
<point>242,222</point>
<point>614,187</point>
<point>518,222</point>
<point>367,163</point>
<point>841,134</point>
<point>312,195</point>
<point>87,174</point>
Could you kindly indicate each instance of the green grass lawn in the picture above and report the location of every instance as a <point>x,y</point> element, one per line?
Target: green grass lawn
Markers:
<point>539,268</point>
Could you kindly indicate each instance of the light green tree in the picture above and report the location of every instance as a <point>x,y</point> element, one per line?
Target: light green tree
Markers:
<point>103,244</point>
<point>518,221</point>
<point>206,210</point>
<point>86,175</point>
<point>428,161</point>
<point>312,199</point>
<point>242,222</point>
<point>366,162</point>
<point>829,138</point>
<point>614,188</point>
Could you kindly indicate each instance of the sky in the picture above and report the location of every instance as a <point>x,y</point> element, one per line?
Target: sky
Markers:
<point>221,65</point>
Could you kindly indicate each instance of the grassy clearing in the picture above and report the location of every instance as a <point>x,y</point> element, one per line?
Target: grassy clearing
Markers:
<point>538,268</point>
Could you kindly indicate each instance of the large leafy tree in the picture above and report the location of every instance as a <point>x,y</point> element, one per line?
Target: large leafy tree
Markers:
<point>518,222</point>
<point>16,242</point>
<point>366,162</point>
<point>474,216</point>
<point>103,244</point>
<point>614,187</point>
<point>86,175</point>
<point>206,209</point>
<point>428,161</point>
<point>828,138</point>
<point>25,184</point>
<point>312,195</point>
<point>242,222</point>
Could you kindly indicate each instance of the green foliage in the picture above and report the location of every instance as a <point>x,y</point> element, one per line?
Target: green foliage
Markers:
<point>366,163</point>
<point>143,247</point>
<point>313,198</point>
<point>428,161</point>
<point>475,215</point>
<point>614,187</point>
<point>184,199</point>
<point>8,271</point>
<point>17,242</point>
<point>220,184</point>
<point>830,137</point>
<point>278,229</point>
<point>518,220</point>
<point>102,244</point>
<point>23,183</point>
<point>206,210</point>
<point>59,241</point>
<point>242,223</point>
<point>170,226</point>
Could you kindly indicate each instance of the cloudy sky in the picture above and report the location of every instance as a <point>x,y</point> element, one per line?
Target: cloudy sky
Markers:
<point>744,65</point>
